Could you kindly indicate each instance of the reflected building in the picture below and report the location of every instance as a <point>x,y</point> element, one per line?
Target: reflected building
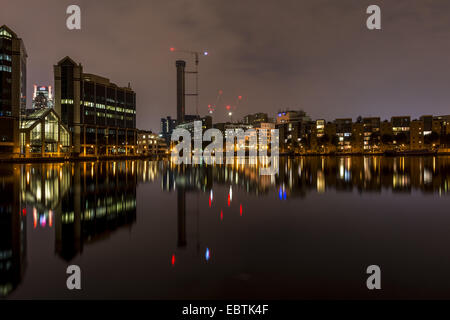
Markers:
<point>12,230</point>
<point>83,203</point>
<point>100,200</point>
<point>181,217</point>
<point>301,175</point>
<point>203,178</point>
<point>86,202</point>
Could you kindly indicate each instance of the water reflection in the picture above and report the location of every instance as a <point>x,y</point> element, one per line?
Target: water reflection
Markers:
<point>298,176</point>
<point>12,230</point>
<point>82,202</point>
<point>87,202</point>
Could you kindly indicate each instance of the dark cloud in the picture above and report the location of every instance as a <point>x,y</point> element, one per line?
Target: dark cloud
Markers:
<point>312,54</point>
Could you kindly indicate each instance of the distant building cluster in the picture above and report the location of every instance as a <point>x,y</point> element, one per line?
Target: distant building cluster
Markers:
<point>86,115</point>
<point>365,135</point>
<point>299,134</point>
<point>42,97</point>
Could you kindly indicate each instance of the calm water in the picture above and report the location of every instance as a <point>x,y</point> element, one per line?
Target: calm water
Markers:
<point>146,229</point>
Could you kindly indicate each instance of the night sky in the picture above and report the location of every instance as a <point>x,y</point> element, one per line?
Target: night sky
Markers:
<point>315,55</point>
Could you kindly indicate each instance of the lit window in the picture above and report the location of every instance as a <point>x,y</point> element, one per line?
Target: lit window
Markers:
<point>5,34</point>
<point>5,57</point>
<point>5,68</point>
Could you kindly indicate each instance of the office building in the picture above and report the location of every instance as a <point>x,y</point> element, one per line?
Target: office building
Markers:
<point>400,124</point>
<point>100,115</point>
<point>256,119</point>
<point>417,129</point>
<point>293,126</point>
<point>149,143</point>
<point>317,133</point>
<point>42,97</point>
<point>344,133</point>
<point>372,127</point>
<point>291,116</point>
<point>13,83</point>
<point>357,138</point>
<point>189,125</point>
<point>167,126</point>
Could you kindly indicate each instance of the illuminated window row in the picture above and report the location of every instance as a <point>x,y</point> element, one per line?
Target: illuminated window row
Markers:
<point>5,68</point>
<point>67,217</point>
<point>4,33</point>
<point>66,101</point>
<point>5,57</point>
<point>113,116</point>
<point>89,113</point>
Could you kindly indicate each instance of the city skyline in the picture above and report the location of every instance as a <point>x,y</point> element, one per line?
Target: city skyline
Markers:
<point>318,57</point>
<point>101,117</point>
<point>224,158</point>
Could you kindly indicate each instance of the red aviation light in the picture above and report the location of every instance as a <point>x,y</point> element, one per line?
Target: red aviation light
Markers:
<point>34,218</point>
<point>50,218</point>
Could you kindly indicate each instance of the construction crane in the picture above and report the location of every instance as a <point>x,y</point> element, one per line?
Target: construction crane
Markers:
<point>196,58</point>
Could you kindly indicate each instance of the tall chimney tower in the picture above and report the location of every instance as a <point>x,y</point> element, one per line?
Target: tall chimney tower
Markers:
<point>181,101</point>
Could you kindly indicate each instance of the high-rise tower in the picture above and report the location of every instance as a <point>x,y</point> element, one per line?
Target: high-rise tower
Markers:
<point>13,84</point>
<point>181,96</point>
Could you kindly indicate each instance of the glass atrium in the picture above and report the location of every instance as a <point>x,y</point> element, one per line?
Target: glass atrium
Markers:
<point>43,134</point>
